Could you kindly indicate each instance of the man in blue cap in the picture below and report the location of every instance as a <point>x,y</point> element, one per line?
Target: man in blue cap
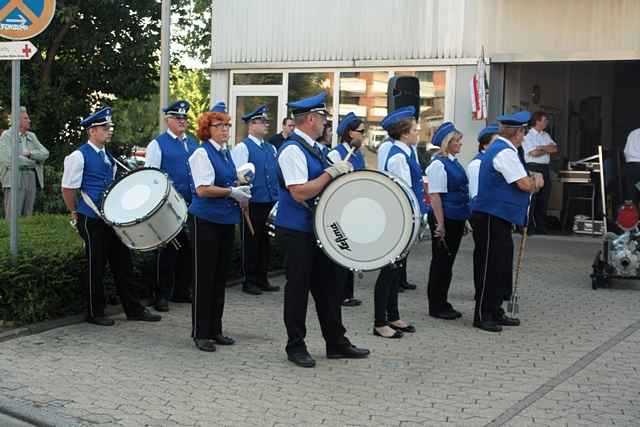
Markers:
<point>305,172</point>
<point>264,194</point>
<point>91,169</point>
<point>170,152</point>
<point>503,197</point>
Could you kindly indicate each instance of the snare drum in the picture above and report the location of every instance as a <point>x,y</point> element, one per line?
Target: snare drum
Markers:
<point>367,219</point>
<point>144,209</point>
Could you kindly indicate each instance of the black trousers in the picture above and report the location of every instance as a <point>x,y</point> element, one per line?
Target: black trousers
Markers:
<point>346,276</point>
<point>309,270</point>
<point>212,248</point>
<point>256,249</point>
<point>102,245</point>
<point>493,263</point>
<point>631,177</point>
<point>442,260</point>
<point>402,267</point>
<point>174,269</point>
<point>540,200</point>
<point>386,295</point>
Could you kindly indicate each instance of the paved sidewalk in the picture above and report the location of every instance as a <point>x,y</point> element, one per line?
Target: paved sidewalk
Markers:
<point>574,361</point>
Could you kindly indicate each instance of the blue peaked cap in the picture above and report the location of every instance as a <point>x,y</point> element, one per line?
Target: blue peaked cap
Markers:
<point>442,132</point>
<point>515,120</point>
<point>177,109</point>
<point>100,118</point>
<point>220,107</point>
<point>312,104</point>
<point>397,115</point>
<point>491,129</point>
<point>345,122</point>
<point>260,113</point>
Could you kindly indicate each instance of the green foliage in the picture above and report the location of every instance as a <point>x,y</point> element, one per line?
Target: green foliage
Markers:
<point>194,20</point>
<point>192,85</point>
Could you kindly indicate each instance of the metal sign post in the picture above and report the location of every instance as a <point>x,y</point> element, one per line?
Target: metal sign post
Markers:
<point>165,41</point>
<point>20,20</point>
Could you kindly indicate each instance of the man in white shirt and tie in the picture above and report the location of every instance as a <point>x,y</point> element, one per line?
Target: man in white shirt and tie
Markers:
<point>632,166</point>
<point>538,148</point>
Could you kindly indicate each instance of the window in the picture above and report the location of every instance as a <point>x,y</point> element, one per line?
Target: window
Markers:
<point>257,79</point>
<point>304,85</point>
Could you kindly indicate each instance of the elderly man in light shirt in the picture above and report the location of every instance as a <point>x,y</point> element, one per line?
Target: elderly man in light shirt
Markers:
<point>538,148</point>
<point>632,166</point>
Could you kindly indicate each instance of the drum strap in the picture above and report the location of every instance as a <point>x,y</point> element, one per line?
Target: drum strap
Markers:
<point>90,203</point>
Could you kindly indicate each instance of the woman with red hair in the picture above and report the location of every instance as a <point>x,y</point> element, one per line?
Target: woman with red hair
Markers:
<point>213,214</point>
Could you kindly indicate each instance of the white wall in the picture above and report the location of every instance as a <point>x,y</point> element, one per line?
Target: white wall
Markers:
<point>462,115</point>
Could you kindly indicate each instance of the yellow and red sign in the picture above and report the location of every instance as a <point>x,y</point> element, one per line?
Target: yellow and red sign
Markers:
<point>25,19</point>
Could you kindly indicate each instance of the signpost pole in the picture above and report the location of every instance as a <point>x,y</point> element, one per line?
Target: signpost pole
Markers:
<point>15,135</point>
<point>165,36</point>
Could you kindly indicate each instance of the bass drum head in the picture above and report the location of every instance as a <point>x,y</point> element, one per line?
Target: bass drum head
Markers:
<point>135,196</point>
<point>365,220</point>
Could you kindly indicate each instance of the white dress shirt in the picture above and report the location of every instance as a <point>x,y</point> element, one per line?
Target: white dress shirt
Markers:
<point>293,162</point>
<point>202,170</point>
<point>153,154</point>
<point>508,163</point>
<point>632,147</point>
<point>383,152</point>
<point>334,156</point>
<point>437,176</point>
<point>398,165</point>
<point>74,167</point>
<point>473,175</point>
<point>533,140</point>
<point>240,153</point>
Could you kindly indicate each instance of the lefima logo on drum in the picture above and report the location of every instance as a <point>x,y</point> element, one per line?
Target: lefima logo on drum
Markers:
<point>340,239</point>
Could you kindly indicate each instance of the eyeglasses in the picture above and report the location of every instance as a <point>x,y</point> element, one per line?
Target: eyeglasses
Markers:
<point>221,125</point>
<point>360,130</point>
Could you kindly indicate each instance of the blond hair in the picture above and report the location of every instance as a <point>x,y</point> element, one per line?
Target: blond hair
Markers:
<point>444,147</point>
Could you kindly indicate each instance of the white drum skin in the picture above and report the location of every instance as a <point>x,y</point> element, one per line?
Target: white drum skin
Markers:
<point>144,209</point>
<point>366,220</point>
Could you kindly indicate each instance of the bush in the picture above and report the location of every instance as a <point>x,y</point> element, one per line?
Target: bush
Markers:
<point>44,282</point>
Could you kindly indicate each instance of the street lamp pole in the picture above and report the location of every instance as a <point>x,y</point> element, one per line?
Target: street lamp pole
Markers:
<point>165,40</point>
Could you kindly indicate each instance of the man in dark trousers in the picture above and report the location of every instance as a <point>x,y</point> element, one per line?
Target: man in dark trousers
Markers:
<point>91,169</point>
<point>264,194</point>
<point>305,172</point>
<point>170,152</point>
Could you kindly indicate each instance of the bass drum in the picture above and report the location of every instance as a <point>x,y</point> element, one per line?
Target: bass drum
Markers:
<point>144,209</point>
<point>366,220</point>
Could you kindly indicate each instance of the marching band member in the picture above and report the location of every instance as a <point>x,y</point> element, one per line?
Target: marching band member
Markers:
<point>502,200</point>
<point>213,215</point>
<point>351,132</point>
<point>326,138</point>
<point>449,190</point>
<point>219,107</point>
<point>403,163</point>
<point>264,194</point>
<point>485,138</point>
<point>169,152</point>
<point>91,169</point>
<point>305,172</point>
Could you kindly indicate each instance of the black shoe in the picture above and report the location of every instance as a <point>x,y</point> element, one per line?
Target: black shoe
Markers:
<point>161,305</point>
<point>101,320</point>
<point>145,316</point>
<point>488,325</point>
<point>408,285</point>
<point>204,344</point>
<point>409,328</point>
<point>348,352</point>
<point>505,320</point>
<point>302,359</point>
<point>351,302</point>
<point>400,289</point>
<point>251,289</point>
<point>448,314</point>
<point>269,288</point>
<point>397,334</point>
<point>223,340</point>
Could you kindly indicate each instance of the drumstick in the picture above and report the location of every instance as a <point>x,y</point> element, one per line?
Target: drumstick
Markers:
<point>245,212</point>
<point>351,150</point>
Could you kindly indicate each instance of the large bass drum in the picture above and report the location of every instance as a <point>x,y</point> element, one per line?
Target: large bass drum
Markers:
<point>366,220</point>
<point>144,209</point>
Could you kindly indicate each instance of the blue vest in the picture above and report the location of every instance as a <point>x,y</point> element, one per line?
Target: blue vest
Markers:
<point>479,156</point>
<point>496,196</point>
<point>455,202</point>
<point>416,174</point>
<point>325,150</point>
<point>219,210</point>
<point>175,162</point>
<point>265,181</point>
<point>356,159</point>
<point>96,178</point>
<point>291,214</point>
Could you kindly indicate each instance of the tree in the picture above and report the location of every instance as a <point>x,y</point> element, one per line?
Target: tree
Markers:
<point>93,51</point>
<point>194,22</point>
